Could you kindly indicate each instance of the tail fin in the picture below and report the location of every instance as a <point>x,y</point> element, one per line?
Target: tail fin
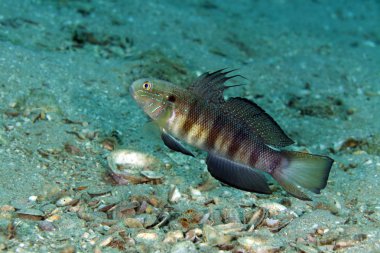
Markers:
<point>303,170</point>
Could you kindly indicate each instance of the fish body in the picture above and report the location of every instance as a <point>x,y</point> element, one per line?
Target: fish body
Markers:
<point>243,142</point>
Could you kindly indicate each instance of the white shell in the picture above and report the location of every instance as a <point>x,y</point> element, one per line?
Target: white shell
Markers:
<point>174,195</point>
<point>64,201</point>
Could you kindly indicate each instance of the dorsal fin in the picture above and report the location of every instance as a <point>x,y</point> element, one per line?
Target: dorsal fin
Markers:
<point>210,86</point>
<point>258,120</point>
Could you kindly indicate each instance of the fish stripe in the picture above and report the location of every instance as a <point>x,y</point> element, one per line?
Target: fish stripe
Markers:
<point>253,157</point>
<point>214,131</point>
<point>237,140</point>
<point>191,117</point>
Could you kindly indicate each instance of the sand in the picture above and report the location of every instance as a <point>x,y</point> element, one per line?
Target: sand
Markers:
<point>65,70</point>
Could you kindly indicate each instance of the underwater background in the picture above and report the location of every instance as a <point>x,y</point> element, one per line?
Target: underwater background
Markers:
<point>82,171</point>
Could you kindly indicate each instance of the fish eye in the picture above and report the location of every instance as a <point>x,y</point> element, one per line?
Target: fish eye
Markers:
<point>147,85</point>
<point>171,98</point>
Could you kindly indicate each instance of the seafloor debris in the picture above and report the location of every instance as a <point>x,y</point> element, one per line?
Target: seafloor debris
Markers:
<point>143,221</point>
<point>131,167</point>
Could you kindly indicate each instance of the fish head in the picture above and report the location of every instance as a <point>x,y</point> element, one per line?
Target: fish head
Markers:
<point>155,97</point>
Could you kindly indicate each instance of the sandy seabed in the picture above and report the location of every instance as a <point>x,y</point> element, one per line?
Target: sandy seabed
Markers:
<point>65,69</point>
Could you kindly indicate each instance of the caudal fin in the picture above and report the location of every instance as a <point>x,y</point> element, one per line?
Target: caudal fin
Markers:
<point>303,171</point>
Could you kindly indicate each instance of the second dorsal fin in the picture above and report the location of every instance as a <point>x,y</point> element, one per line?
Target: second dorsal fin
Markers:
<point>257,120</point>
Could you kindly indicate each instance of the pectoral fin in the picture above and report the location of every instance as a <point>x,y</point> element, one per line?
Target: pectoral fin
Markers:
<point>174,144</point>
<point>237,175</point>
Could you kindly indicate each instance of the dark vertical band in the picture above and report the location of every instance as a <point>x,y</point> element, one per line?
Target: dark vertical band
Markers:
<point>215,130</point>
<point>238,136</point>
<point>192,116</point>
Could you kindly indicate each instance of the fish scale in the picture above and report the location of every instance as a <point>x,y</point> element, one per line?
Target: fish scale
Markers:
<point>237,134</point>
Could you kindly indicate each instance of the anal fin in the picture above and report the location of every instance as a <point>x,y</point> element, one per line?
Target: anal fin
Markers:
<point>237,175</point>
<point>174,144</point>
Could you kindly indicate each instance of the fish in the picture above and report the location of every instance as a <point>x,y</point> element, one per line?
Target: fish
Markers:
<point>244,144</point>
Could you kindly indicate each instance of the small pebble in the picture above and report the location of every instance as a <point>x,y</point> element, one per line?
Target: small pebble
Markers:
<point>32,198</point>
<point>46,226</point>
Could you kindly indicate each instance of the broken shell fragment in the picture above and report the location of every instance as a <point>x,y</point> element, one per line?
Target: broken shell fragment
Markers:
<point>196,194</point>
<point>272,222</point>
<point>30,214</point>
<point>173,236</point>
<point>230,215</point>
<point>131,167</point>
<point>214,236</point>
<point>64,201</point>
<point>133,223</point>
<point>174,195</point>
<point>99,190</point>
<point>106,241</point>
<point>194,234</point>
<point>147,237</point>
<point>257,218</point>
<point>230,227</point>
<point>274,208</point>
<point>132,160</point>
<point>147,220</point>
<point>151,174</point>
<point>163,219</point>
<point>46,225</point>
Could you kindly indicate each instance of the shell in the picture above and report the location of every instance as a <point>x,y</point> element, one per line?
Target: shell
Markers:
<point>173,236</point>
<point>163,219</point>
<point>126,167</point>
<point>106,241</point>
<point>257,218</point>
<point>196,194</point>
<point>151,174</point>
<point>214,236</point>
<point>30,214</point>
<point>133,223</point>
<point>46,225</point>
<point>272,222</point>
<point>194,234</point>
<point>230,227</point>
<point>125,209</point>
<point>131,160</point>
<point>64,201</point>
<point>260,242</point>
<point>174,195</point>
<point>230,215</point>
<point>99,190</point>
<point>274,208</point>
<point>147,237</point>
